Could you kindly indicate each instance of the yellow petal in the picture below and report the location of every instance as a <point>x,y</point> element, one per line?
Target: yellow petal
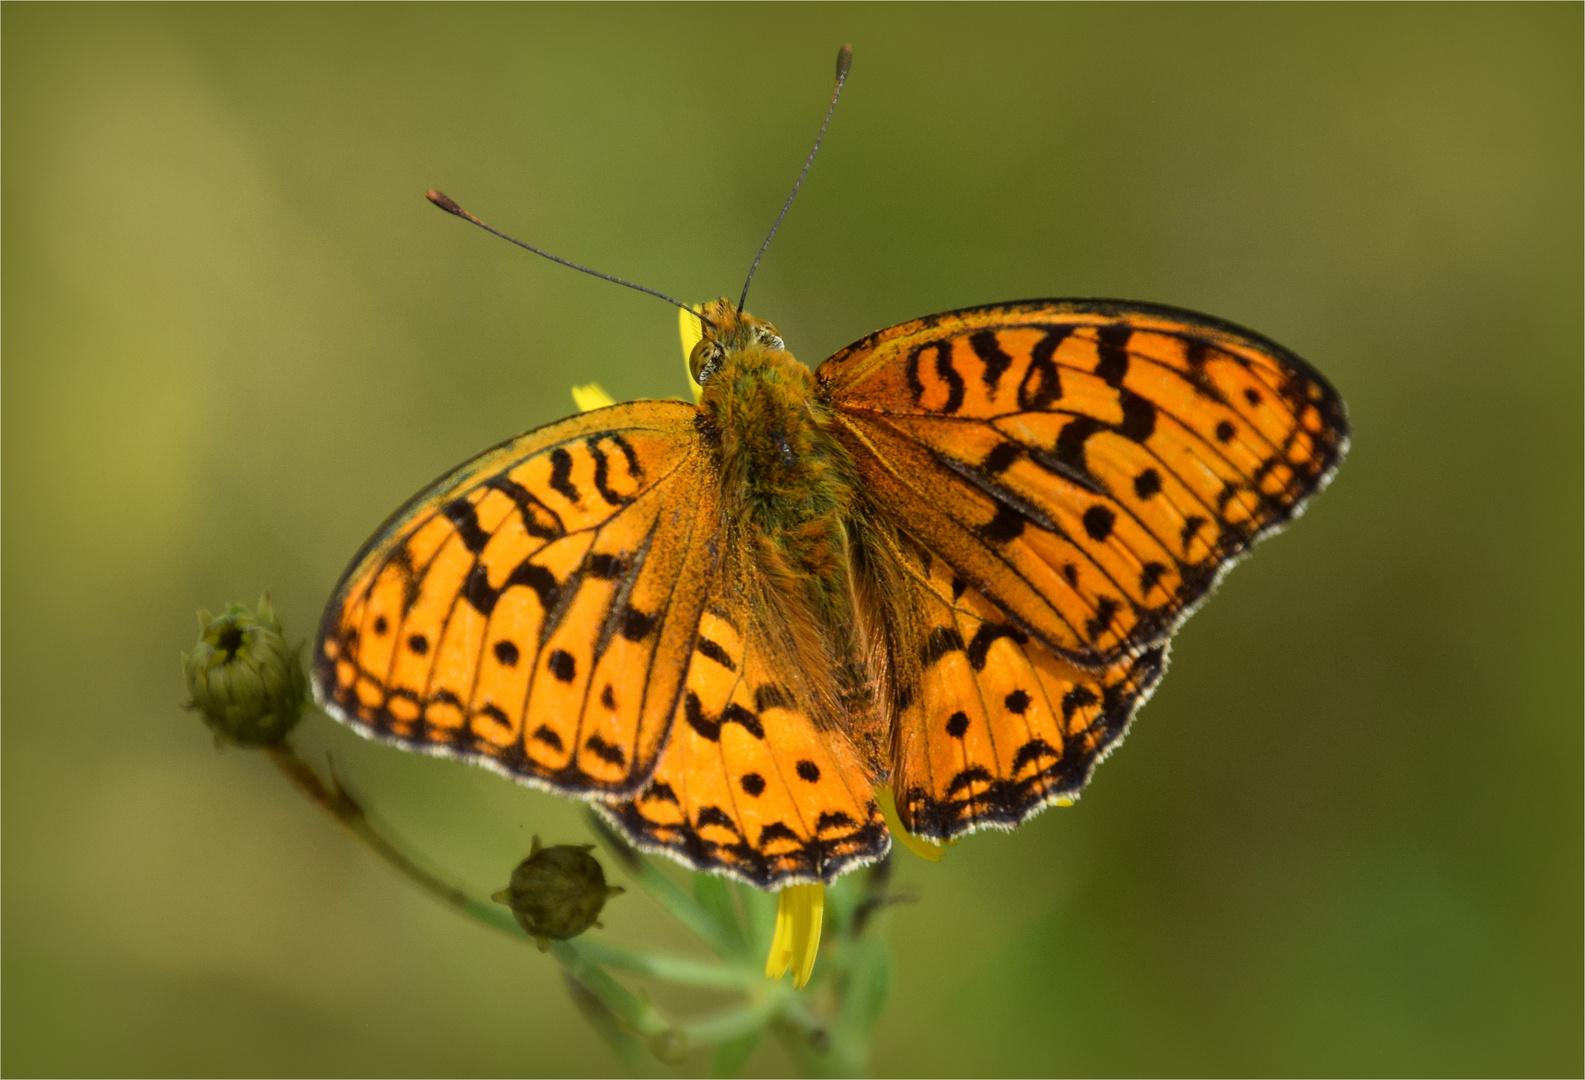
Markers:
<point>928,850</point>
<point>800,910</point>
<point>591,396</point>
<point>692,332</point>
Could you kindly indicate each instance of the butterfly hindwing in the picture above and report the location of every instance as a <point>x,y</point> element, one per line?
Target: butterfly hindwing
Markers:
<point>1000,725</point>
<point>749,785</point>
<point>1090,466</point>
<point>534,609</point>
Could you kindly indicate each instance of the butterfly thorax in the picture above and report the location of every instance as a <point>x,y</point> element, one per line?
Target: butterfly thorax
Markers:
<point>779,462</point>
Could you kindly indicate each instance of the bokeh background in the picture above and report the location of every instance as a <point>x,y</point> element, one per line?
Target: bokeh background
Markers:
<point>1344,838</point>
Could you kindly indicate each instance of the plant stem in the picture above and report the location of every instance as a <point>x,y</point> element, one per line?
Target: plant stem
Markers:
<point>579,960</point>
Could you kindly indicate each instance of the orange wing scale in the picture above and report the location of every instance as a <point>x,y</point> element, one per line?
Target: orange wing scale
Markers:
<point>748,784</point>
<point>1091,467</point>
<point>524,611</point>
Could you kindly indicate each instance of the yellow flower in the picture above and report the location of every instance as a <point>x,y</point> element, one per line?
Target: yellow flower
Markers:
<point>691,330</point>
<point>591,396</point>
<point>928,850</point>
<point>800,910</point>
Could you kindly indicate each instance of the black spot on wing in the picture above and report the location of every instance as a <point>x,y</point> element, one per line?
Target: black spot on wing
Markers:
<point>1139,417</point>
<point>477,591</point>
<point>693,712</point>
<point>706,647</point>
<point>659,791</point>
<point>991,354</point>
<point>636,625</point>
<point>611,755</point>
<point>980,645</point>
<point>942,640</point>
<point>607,567</point>
<point>737,714</point>
<point>561,475</point>
<point>771,696</point>
<point>944,371</point>
<point>714,815</point>
<point>1147,483</point>
<point>465,520</point>
<point>562,665</point>
<point>547,736</point>
<point>1112,346</point>
<point>1068,457</point>
<point>1106,609</point>
<point>1032,751</point>
<point>602,466</point>
<point>1001,457</point>
<point>777,830</point>
<point>1008,524</point>
<point>1098,522</point>
<point>539,520</point>
<point>975,774</point>
<point>1041,385</point>
<point>1076,699</point>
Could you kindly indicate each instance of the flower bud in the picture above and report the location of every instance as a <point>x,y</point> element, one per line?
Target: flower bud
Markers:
<point>557,892</point>
<point>243,678</point>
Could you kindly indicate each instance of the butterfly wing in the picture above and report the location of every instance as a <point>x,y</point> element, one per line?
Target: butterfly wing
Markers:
<point>534,610</point>
<point>1090,467</point>
<point>1000,725</point>
<point>750,784</point>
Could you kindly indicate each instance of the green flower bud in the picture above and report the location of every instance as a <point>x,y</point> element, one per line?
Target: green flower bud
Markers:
<point>244,680</point>
<point>557,892</point>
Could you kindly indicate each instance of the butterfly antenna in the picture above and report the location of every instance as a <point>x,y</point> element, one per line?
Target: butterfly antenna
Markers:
<point>844,62</point>
<point>446,203</point>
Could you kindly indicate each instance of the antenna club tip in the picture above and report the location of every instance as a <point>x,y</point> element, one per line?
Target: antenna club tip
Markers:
<point>844,61</point>
<point>442,200</point>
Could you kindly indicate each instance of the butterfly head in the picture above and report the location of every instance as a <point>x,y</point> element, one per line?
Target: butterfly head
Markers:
<point>728,331</point>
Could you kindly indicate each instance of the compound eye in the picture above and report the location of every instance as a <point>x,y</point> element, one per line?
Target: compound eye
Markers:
<point>704,359</point>
<point>769,338</point>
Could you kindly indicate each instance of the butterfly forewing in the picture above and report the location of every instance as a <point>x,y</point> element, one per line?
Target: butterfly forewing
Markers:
<point>534,609</point>
<point>749,784</point>
<point>1090,466</point>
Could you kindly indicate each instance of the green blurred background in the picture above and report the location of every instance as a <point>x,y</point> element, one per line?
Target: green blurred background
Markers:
<point>1345,837</point>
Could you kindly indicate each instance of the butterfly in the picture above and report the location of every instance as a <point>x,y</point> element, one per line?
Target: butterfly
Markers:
<point>948,560</point>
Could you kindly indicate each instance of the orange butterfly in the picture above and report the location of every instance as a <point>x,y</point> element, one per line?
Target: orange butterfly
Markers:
<point>947,561</point>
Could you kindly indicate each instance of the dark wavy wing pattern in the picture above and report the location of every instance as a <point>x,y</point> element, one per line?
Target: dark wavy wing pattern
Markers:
<point>1091,467</point>
<point>748,785</point>
<point>1001,726</point>
<point>534,610</point>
